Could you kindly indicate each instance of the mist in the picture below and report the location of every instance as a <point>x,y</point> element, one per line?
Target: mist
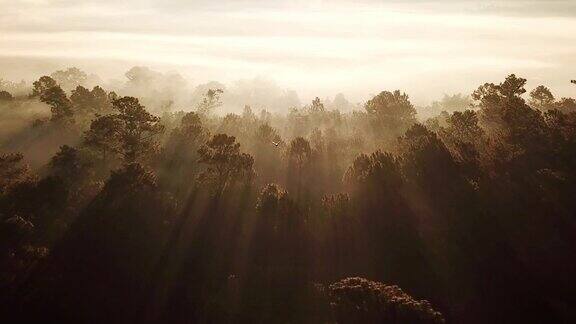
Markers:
<point>313,48</point>
<point>287,161</point>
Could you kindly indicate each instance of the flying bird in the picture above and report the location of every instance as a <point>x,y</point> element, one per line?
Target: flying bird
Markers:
<point>275,143</point>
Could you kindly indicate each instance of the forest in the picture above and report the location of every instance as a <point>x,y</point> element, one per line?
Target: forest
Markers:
<point>139,203</point>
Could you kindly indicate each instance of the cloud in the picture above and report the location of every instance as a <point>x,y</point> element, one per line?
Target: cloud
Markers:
<point>314,47</point>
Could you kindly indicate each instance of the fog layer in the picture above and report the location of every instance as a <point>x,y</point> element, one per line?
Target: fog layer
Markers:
<point>315,48</point>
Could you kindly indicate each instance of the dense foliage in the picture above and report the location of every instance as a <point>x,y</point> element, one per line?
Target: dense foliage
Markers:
<point>110,213</point>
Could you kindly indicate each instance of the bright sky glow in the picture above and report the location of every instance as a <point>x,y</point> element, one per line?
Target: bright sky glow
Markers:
<point>423,47</point>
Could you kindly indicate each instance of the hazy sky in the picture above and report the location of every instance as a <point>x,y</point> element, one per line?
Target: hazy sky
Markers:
<point>314,47</point>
